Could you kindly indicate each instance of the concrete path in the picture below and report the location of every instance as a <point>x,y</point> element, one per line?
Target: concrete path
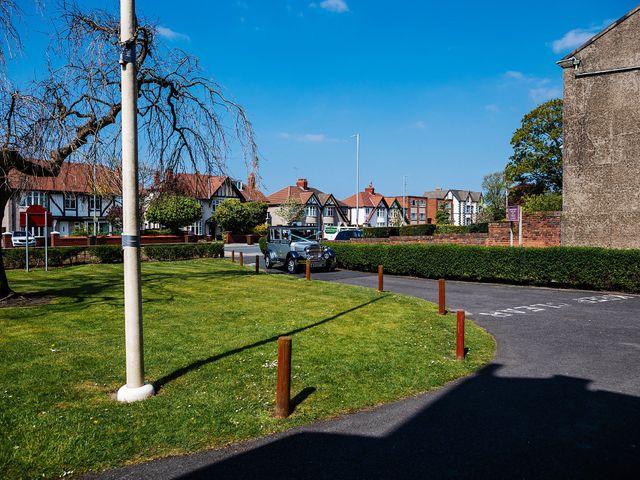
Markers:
<point>560,400</point>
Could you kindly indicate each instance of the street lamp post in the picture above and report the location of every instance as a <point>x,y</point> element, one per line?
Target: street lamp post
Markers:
<point>357,135</point>
<point>135,388</point>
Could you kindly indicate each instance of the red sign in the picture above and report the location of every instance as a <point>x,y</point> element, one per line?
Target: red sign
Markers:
<point>513,213</point>
<point>36,214</point>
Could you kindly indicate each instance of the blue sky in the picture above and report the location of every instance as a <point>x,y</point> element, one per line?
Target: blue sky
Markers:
<point>435,89</point>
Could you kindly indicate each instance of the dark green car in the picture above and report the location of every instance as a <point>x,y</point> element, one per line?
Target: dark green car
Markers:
<point>291,246</point>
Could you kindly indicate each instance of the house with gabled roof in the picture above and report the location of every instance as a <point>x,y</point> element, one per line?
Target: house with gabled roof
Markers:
<point>371,209</point>
<point>320,209</point>
<point>465,206</point>
<point>79,198</point>
<point>211,191</point>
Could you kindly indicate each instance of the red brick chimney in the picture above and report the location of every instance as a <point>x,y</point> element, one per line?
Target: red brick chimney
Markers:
<point>370,189</point>
<point>251,181</point>
<point>302,183</point>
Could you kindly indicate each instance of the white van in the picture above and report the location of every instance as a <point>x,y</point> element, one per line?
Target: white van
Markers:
<point>331,233</point>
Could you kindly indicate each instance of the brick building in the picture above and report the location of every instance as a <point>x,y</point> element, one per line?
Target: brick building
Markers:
<point>601,191</point>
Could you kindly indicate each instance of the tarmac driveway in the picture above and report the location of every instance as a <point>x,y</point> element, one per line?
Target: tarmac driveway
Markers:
<point>560,400</point>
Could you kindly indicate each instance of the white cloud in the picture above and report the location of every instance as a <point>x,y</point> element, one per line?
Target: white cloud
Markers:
<point>576,37</point>
<point>337,6</point>
<point>171,35</point>
<point>539,89</point>
<point>420,125</point>
<point>492,108</point>
<point>307,137</point>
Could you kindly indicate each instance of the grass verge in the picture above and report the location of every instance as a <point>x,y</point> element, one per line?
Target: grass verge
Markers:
<point>210,348</point>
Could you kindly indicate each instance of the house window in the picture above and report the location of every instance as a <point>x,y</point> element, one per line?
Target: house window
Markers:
<point>95,204</point>
<point>423,203</point>
<point>413,215</point>
<point>329,211</point>
<point>367,211</point>
<point>195,228</point>
<point>413,203</point>
<point>422,217</point>
<point>70,201</point>
<point>381,213</point>
<point>311,211</point>
<point>34,198</point>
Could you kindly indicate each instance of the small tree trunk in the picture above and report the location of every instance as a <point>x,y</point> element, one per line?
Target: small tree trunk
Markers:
<point>5,290</point>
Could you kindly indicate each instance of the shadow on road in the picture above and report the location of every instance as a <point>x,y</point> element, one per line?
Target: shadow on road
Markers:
<point>486,427</point>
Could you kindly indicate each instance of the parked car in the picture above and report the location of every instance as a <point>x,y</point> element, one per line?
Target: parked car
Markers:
<point>341,233</point>
<point>20,239</point>
<point>291,246</point>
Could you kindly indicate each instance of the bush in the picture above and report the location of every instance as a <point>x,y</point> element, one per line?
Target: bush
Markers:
<point>417,230</point>
<point>106,253</point>
<point>545,202</point>
<point>168,253</point>
<point>380,232</point>
<point>471,228</point>
<point>157,232</point>
<point>261,229</point>
<point>263,244</point>
<point>15,257</point>
<point>579,267</point>
<point>79,232</point>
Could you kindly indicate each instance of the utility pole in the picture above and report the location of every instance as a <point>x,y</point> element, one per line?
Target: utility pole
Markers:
<point>135,388</point>
<point>357,135</point>
<point>95,220</point>
<point>404,198</point>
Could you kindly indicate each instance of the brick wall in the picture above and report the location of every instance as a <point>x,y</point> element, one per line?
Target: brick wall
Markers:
<point>540,229</point>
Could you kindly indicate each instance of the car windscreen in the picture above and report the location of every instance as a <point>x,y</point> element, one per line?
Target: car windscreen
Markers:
<point>19,234</point>
<point>347,234</point>
<point>304,234</point>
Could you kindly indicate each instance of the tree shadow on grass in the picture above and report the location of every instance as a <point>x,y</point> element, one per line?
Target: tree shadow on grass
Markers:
<point>161,382</point>
<point>484,427</point>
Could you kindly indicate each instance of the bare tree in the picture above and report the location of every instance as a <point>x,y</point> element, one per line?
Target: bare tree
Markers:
<point>9,38</point>
<point>184,119</point>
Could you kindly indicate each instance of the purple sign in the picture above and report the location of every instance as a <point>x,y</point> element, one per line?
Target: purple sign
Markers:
<point>513,213</point>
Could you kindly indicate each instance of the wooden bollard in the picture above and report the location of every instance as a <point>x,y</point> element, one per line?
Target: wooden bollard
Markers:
<point>283,387</point>
<point>241,259</point>
<point>441,307</point>
<point>257,263</point>
<point>380,279</point>
<point>233,255</point>
<point>308,270</point>
<point>460,335</point>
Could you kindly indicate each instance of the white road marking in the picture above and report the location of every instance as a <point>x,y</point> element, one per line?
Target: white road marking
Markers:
<point>541,307</point>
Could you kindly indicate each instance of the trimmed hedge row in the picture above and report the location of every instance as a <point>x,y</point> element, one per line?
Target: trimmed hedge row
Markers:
<point>578,267</point>
<point>471,228</point>
<point>58,256</point>
<point>167,253</point>
<point>406,230</point>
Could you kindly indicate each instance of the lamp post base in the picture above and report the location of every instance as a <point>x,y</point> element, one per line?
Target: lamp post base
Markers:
<point>128,395</point>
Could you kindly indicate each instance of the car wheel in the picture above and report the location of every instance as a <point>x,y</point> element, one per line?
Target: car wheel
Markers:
<point>292,265</point>
<point>268,263</point>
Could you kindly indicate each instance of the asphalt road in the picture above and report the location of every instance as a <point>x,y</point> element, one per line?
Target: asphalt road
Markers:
<point>560,400</point>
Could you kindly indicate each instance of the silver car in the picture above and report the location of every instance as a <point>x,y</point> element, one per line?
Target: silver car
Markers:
<point>20,239</point>
<point>291,246</point>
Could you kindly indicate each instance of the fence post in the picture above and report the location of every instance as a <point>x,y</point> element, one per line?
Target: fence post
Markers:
<point>441,300</point>
<point>241,259</point>
<point>257,263</point>
<point>460,335</point>
<point>308,270</point>
<point>283,387</point>
<point>233,255</point>
<point>380,278</point>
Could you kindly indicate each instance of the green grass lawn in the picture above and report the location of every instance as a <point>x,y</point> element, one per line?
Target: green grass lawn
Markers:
<point>210,332</point>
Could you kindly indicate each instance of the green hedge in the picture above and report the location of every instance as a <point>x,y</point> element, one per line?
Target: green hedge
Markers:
<point>106,253</point>
<point>15,257</point>
<point>167,253</point>
<point>579,267</point>
<point>472,228</point>
<point>58,256</point>
<point>380,232</point>
<point>418,230</point>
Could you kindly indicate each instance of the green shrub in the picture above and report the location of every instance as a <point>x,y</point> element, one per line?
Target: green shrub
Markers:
<point>106,253</point>
<point>471,228</point>
<point>168,253</point>
<point>263,244</point>
<point>545,202</point>
<point>157,231</point>
<point>579,267</point>
<point>417,230</point>
<point>15,257</point>
<point>380,232</point>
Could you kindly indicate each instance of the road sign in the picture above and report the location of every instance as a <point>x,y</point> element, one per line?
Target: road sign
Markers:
<point>513,213</point>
